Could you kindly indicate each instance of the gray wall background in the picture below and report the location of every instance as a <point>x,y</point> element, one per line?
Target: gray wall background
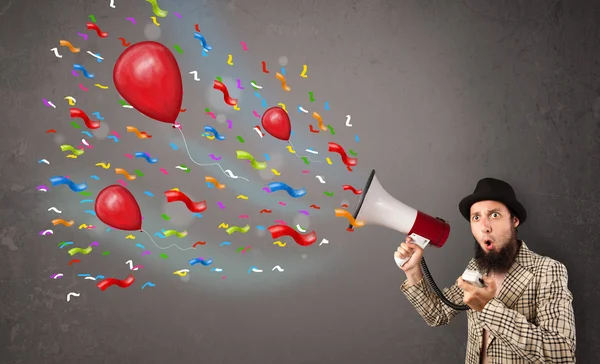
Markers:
<point>441,94</point>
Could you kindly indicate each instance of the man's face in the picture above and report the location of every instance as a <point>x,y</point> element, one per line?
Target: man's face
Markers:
<point>495,236</point>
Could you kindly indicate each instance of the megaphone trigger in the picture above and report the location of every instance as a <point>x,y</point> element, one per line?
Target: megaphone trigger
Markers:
<point>420,241</point>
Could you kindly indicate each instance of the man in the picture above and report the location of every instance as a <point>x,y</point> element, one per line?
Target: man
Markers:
<point>524,314</point>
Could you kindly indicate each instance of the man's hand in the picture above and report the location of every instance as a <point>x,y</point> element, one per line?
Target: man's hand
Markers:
<point>476,297</point>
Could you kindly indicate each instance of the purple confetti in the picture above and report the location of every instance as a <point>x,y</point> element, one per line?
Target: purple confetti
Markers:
<point>82,35</point>
<point>304,212</point>
<point>95,243</point>
<point>177,15</point>
<point>74,73</point>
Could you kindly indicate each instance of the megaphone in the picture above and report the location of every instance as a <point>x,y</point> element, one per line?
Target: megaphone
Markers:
<point>377,207</point>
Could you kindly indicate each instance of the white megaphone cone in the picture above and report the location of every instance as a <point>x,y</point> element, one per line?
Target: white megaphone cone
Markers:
<point>377,207</point>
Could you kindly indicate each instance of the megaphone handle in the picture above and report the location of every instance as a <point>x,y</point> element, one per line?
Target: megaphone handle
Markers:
<point>420,241</point>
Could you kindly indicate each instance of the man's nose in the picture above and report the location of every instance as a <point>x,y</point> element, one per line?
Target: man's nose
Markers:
<point>486,227</point>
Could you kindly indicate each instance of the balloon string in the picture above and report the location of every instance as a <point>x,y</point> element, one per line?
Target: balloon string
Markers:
<point>230,174</point>
<point>159,247</point>
<point>301,156</point>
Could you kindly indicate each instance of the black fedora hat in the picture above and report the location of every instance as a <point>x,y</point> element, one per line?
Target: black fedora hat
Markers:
<point>495,190</point>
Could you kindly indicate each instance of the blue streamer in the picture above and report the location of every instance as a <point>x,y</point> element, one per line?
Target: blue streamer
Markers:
<point>210,129</point>
<point>280,186</point>
<point>201,261</point>
<point>79,67</point>
<point>62,180</point>
<point>146,156</point>
<point>200,37</point>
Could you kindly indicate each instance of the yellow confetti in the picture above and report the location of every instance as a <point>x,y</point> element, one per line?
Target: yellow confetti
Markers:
<point>154,21</point>
<point>101,86</point>
<point>279,243</point>
<point>103,165</point>
<point>71,99</point>
<point>282,106</point>
<point>71,156</point>
<point>132,237</point>
<point>243,197</point>
<point>175,189</point>
<point>181,272</point>
<point>304,69</point>
<point>223,225</point>
<point>275,172</point>
<point>328,160</point>
<point>235,107</point>
<point>289,148</point>
<point>230,60</point>
<point>83,226</point>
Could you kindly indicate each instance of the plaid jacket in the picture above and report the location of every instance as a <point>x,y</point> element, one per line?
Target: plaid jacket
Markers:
<point>530,321</point>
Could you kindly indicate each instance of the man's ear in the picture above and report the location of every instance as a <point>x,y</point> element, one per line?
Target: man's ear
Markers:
<point>516,221</point>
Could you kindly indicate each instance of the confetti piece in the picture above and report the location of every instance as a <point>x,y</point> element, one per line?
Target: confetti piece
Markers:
<point>125,174</point>
<point>61,180</point>
<point>85,251</point>
<point>284,85</point>
<point>346,214</point>
<point>350,188</point>
<point>234,229</point>
<point>184,168</point>
<point>75,294</point>
<point>275,172</point>
<point>154,21</point>
<point>64,43</point>
<point>304,69</point>
<point>317,117</point>
<point>62,222</point>
<point>278,231</point>
<point>157,10</point>
<point>328,160</point>
<point>241,154</point>
<point>76,152</point>
<point>336,148</point>
<point>107,282</point>
<point>178,196</point>
<point>180,235</point>
<point>215,182</point>
<point>178,48</point>
<point>280,186</point>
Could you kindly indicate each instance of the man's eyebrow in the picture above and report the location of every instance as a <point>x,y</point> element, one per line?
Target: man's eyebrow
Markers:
<point>492,210</point>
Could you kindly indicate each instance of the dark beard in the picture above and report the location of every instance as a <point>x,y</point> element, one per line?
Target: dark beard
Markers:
<point>499,262</point>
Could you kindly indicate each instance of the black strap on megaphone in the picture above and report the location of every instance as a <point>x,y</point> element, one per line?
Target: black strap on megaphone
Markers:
<point>438,291</point>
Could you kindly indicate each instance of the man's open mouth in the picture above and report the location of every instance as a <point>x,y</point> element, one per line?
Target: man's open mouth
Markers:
<point>489,244</point>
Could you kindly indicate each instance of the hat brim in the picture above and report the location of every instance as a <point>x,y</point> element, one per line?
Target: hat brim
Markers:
<point>465,205</point>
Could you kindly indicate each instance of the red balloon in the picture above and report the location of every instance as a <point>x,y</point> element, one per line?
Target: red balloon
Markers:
<point>116,207</point>
<point>147,76</point>
<point>276,122</point>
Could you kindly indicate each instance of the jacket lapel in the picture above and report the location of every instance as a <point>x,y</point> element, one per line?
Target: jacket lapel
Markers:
<point>517,279</point>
